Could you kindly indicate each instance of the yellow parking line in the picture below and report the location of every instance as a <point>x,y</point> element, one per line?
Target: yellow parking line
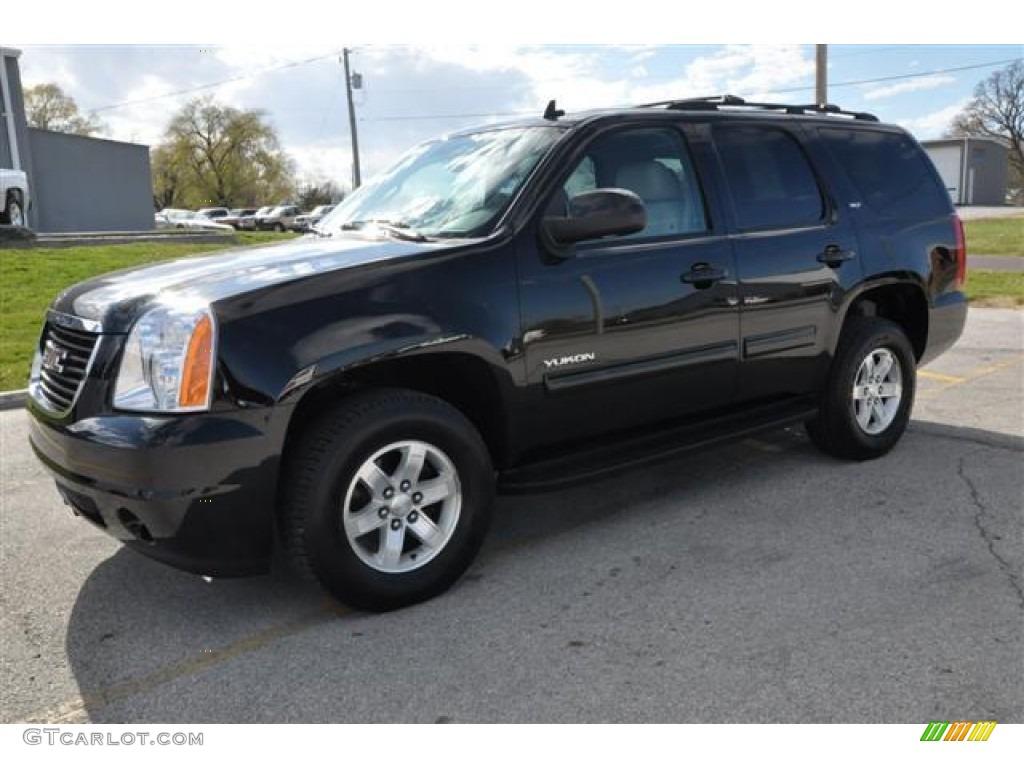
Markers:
<point>941,377</point>
<point>972,376</point>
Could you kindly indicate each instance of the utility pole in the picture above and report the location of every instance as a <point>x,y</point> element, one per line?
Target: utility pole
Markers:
<point>356,178</point>
<point>821,75</point>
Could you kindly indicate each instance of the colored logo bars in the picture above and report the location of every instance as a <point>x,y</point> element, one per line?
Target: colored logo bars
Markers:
<point>958,731</point>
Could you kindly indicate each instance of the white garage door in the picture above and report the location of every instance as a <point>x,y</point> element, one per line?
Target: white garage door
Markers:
<point>947,161</point>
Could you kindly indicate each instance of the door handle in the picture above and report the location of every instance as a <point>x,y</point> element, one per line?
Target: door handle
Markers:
<point>703,275</point>
<point>833,255</point>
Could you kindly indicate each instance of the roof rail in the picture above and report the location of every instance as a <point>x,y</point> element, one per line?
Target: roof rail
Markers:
<point>727,100</point>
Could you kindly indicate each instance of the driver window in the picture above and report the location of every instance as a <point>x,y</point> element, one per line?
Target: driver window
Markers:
<point>654,164</point>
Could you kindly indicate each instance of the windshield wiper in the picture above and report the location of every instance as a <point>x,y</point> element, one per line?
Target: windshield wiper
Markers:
<point>399,229</point>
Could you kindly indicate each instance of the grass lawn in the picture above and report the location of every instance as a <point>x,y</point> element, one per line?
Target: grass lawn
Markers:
<point>995,289</point>
<point>27,288</point>
<point>995,237</point>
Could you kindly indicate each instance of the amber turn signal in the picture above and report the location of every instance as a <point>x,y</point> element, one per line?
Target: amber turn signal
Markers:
<point>195,379</point>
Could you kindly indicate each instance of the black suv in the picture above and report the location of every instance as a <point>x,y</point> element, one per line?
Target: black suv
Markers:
<point>509,308</point>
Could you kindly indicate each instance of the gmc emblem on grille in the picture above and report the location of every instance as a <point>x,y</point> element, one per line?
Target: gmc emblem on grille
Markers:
<point>54,357</point>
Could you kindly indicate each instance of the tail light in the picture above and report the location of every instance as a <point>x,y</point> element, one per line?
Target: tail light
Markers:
<point>961,252</point>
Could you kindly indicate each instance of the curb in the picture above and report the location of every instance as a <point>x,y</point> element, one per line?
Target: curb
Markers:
<point>14,399</point>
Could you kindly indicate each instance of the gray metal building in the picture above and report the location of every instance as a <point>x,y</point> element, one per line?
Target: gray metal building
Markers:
<point>974,169</point>
<point>13,130</point>
<point>77,183</point>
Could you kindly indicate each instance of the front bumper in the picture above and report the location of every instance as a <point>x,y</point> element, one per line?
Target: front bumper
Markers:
<point>194,491</point>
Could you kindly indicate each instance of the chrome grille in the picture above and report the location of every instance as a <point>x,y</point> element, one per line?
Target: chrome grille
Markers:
<point>66,356</point>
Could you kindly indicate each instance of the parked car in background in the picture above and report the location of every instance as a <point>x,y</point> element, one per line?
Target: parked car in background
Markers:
<point>14,198</point>
<point>306,221</point>
<point>196,220</point>
<point>166,217</point>
<point>280,218</point>
<point>235,215</point>
<point>249,222</point>
<point>214,213</point>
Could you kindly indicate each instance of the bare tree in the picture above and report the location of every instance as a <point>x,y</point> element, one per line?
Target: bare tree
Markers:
<point>997,111</point>
<point>49,108</point>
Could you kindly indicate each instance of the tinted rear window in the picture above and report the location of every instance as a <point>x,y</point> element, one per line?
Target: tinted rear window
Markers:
<point>771,183</point>
<point>892,174</point>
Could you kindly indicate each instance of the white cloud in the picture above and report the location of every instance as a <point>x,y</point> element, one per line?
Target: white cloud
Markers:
<point>44,68</point>
<point>908,86</point>
<point>404,86</point>
<point>145,122</point>
<point>932,125</point>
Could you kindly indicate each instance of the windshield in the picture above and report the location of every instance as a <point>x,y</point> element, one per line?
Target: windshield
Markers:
<point>456,186</point>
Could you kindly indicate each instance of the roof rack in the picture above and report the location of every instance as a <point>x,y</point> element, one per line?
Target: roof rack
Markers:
<point>727,100</point>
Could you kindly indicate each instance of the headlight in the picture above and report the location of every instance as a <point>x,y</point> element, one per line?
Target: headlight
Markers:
<point>168,362</point>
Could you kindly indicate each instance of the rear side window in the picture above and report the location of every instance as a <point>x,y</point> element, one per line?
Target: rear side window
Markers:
<point>892,174</point>
<point>769,178</point>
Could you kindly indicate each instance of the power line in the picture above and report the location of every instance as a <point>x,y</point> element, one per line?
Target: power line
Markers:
<point>334,54</point>
<point>890,78</point>
<point>197,88</point>
<point>390,118</point>
<point>796,89</point>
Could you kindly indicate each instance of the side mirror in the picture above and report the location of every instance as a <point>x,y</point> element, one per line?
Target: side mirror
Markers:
<point>598,213</point>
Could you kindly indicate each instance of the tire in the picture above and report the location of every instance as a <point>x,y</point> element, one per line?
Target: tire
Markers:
<point>870,391</point>
<point>350,520</point>
<point>279,227</point>
<point>13,214</point>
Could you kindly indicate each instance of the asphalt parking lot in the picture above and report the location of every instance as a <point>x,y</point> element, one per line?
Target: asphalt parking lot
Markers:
<point>759,582</point>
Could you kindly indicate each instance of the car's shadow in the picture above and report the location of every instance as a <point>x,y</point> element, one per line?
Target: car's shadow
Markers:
<point>137,625</point>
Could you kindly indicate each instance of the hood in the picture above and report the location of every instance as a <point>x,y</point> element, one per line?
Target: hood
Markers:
<point>116,299</point>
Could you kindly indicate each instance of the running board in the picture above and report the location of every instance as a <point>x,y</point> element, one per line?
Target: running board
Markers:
<point>649,447</point>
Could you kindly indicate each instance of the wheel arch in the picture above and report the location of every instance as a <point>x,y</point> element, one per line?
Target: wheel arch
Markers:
<point>466,381</point>
<point>900,298</point>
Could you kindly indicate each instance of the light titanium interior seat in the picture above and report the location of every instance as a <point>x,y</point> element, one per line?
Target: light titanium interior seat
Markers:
<point>661,192</point>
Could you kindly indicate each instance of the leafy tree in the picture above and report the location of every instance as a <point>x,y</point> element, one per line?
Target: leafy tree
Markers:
<point>49,108</point>
<point>997,111</point>
<point>218,155</point>
<point>169,177</point>
<point>313,194</point>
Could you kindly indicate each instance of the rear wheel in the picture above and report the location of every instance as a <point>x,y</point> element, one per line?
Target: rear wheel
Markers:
<point>387,499</point>
<point>866,405</point>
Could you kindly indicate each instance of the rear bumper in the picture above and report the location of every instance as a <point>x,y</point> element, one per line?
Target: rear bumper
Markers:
<point>946,320</point>
<point>196,492</point>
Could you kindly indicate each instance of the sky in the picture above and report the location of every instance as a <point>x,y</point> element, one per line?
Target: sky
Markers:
<point>414,91</point>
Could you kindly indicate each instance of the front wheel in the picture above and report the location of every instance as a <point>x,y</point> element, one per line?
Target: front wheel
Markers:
<point>866,405</point>
<point>279,227</point>
<point>387,499</point>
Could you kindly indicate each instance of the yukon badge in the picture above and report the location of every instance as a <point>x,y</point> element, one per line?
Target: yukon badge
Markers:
<point>558,362</point>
